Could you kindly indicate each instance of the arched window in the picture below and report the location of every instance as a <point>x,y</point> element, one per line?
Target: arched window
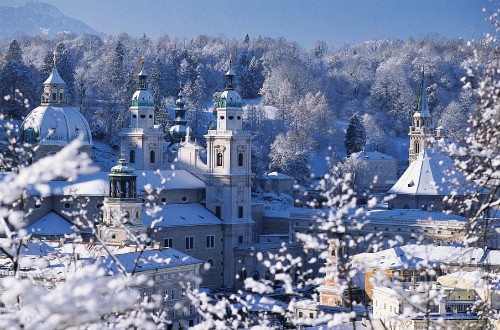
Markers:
<point>152,156</point>
<point>417,147</point>
<point>240,159</point>
<point>219,158</point>
<point>132,156</point>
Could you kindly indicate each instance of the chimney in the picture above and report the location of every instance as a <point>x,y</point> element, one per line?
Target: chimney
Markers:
<point>132,248</point>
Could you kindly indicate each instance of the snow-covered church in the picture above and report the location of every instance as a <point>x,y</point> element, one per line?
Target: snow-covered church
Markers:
<point>204,212</point>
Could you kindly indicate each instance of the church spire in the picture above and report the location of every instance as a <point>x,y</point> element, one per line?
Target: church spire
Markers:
<point>230,76</point>
<point>54,86</point>
<point>143,84</point>
<point>422,103</point>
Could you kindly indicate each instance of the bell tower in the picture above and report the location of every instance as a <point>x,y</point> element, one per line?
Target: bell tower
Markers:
<point>122,210</point>
<point>422,127</point>
<point>229,175</point>
<point>143,140</point>
<point>54,87</point>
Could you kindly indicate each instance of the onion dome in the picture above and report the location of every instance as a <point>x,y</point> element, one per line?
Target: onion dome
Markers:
<point>178,131</point>
<point>229,97</point>
<point>142,97</point>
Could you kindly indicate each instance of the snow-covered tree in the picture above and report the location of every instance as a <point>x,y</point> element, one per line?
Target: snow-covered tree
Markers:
<point>355,135</point>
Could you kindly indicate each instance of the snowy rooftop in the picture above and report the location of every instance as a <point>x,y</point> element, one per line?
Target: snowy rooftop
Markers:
<point>28,249</point>
<point>54,125</point>
<point>150,260</point>
<point>54,78</point>
<point>173,215</point>
<point>278,176</point>
<point>432,173</point>
<point>97,184</point>
<point>421,255</point>
<point>49,225</point>
<point>405,215</point>
<point>371,155</point>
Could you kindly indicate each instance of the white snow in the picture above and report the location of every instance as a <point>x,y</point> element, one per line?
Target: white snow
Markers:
<point>50,224</point>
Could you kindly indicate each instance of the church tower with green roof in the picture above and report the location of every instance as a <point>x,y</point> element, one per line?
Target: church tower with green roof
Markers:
<point>142,141</point>
<point>229,175</point>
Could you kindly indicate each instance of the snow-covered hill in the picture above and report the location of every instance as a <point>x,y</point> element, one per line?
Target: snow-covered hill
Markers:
<point>37,18</point>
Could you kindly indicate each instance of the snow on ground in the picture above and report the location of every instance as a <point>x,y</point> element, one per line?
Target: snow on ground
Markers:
<point>104,156</point>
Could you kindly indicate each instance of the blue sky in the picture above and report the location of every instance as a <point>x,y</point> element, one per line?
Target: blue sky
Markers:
<point>334,21</point>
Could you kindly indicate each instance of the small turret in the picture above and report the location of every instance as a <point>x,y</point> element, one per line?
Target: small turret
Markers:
<point>178,131</point>
<point>54,87</point>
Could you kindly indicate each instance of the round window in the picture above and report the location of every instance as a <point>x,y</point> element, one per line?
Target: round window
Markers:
<point>67,205</point>
<point>37,205</point>
<point>184,198</point>
<point>239,117</point>
<point>163,199</point>
<point>221,117</point>
<point>230,117</point>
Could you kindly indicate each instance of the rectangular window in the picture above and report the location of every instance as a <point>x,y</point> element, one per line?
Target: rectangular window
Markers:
<point>240,239</point>
<point>183,292</point>
<point>218,211</point>
<point>189,243</point>
<point>172,294</point>
<point>165,295</point>
<point>169,242</point>
<point>240,212</point>
<point>211,241</point>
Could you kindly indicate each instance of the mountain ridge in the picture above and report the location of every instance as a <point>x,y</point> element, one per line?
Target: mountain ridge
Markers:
<point>38,18</point>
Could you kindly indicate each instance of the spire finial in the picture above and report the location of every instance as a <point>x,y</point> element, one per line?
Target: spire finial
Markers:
<point>142,60</point>
<point>122,153</point>
<point>230,60</point>
<point>55,56</point>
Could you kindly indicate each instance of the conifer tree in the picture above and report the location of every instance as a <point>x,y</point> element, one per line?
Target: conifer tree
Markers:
<point>355,135</point>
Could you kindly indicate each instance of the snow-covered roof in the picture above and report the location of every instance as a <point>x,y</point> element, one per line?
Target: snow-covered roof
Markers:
<point>371,155</point>
<point>51,224</point>
<point>174,215</point>
<point>421,255</point>
<point>150,260</point>
<point>278,176</point>
<point>432,173</point>
<point>29,249</point>
<point>52,125</point>
<point>54,78</point>
<point>97,184</point>
<point>406,215</point>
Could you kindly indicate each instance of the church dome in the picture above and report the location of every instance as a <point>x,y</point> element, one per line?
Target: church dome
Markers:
<point>229,98</point>
<point>143,97</point>
<point>55,125</point>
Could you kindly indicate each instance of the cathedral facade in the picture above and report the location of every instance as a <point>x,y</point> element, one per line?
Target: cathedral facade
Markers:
<point>206,216</point>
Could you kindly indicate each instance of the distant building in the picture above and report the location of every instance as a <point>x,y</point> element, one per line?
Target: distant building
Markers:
<point>378,173</point>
